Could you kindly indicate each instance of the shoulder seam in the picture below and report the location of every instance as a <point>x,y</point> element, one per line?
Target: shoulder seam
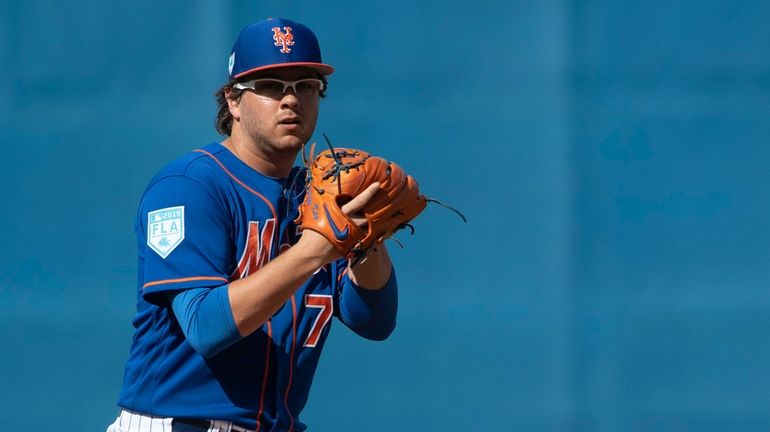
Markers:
<point>193,179</point>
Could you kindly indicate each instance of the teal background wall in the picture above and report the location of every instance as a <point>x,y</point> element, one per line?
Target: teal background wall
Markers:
<point>611,156</point>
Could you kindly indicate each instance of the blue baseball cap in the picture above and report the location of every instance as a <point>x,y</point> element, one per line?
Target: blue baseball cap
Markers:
<point>274,43</point>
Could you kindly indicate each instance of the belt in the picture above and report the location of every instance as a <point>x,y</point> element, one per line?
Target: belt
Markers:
<point>197,425</point>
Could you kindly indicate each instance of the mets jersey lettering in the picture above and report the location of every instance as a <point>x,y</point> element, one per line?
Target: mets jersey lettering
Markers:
<point>258,248</point>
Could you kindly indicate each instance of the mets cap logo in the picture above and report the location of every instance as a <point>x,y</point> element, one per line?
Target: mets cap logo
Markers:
<point>283,40</point>
<point>165,230</point>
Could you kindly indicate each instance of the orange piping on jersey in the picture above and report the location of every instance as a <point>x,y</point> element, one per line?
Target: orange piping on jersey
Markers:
<point>237,180</point>
<point>342,273</point>
<point>291,359</point>
<point>264,377</point>
<point>187,279</point>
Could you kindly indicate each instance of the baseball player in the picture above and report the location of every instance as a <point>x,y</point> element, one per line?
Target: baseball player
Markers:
<point>233,304</point>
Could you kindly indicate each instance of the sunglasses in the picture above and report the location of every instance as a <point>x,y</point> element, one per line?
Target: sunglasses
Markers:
<point>274,88</point>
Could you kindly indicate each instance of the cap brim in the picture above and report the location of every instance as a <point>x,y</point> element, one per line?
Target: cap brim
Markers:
<point>323,69</point>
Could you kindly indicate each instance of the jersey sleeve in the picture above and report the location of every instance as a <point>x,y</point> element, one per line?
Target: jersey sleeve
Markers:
<point>184,238</point>
<point>206,319</point>
<point>369,313</point>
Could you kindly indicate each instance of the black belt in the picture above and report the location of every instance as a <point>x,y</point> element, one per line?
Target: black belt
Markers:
<point>189,425</point>
<point>198,425</point>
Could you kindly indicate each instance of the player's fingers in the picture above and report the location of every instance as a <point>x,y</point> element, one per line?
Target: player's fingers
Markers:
<point>357,203</point>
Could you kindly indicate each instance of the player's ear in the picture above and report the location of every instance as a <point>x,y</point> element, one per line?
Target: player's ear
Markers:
<point>233,103</point>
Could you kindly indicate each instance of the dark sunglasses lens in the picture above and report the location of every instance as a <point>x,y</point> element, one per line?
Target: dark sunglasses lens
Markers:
<point>309,87</point>
<point>269,88</point>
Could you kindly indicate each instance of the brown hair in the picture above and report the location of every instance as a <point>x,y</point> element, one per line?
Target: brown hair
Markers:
<point>224,121</point>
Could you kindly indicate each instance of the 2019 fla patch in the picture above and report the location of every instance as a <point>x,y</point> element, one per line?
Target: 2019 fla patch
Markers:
<point>165,230</point>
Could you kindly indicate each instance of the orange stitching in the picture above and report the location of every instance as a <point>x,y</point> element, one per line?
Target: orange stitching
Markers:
<point>188,279</point>
<point>237,180</point>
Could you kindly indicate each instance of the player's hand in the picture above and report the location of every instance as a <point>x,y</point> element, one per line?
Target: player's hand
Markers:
<point>318,246</point>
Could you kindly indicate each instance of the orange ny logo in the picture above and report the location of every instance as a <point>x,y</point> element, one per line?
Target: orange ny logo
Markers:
<point>283,40</point>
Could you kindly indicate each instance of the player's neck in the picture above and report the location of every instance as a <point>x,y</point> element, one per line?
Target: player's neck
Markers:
<point>273,165</point>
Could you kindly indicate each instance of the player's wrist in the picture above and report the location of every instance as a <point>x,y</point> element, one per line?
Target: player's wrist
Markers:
<point>314,248</point>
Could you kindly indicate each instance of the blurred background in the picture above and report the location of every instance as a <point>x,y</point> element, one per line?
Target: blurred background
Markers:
<point>611,156</point>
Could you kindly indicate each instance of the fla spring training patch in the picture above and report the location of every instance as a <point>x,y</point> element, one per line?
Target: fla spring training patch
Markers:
<point>165,230</point>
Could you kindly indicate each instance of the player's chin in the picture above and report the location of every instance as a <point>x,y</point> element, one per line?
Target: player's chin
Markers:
<point>298,135</point>
<point>289,143</point>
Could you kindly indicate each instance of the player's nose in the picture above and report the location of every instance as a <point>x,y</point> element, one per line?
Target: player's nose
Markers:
<point>289,99</point>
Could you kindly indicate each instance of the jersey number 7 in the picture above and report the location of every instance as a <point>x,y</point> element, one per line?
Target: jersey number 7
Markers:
<point>323,302</point>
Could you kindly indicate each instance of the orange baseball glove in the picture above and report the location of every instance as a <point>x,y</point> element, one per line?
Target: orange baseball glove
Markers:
<point>335,177</point>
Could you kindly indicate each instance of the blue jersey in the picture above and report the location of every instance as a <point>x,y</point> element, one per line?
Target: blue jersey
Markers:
<point>205,220</point>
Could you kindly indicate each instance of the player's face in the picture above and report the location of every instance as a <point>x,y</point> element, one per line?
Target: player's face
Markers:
<point>281,123</point>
